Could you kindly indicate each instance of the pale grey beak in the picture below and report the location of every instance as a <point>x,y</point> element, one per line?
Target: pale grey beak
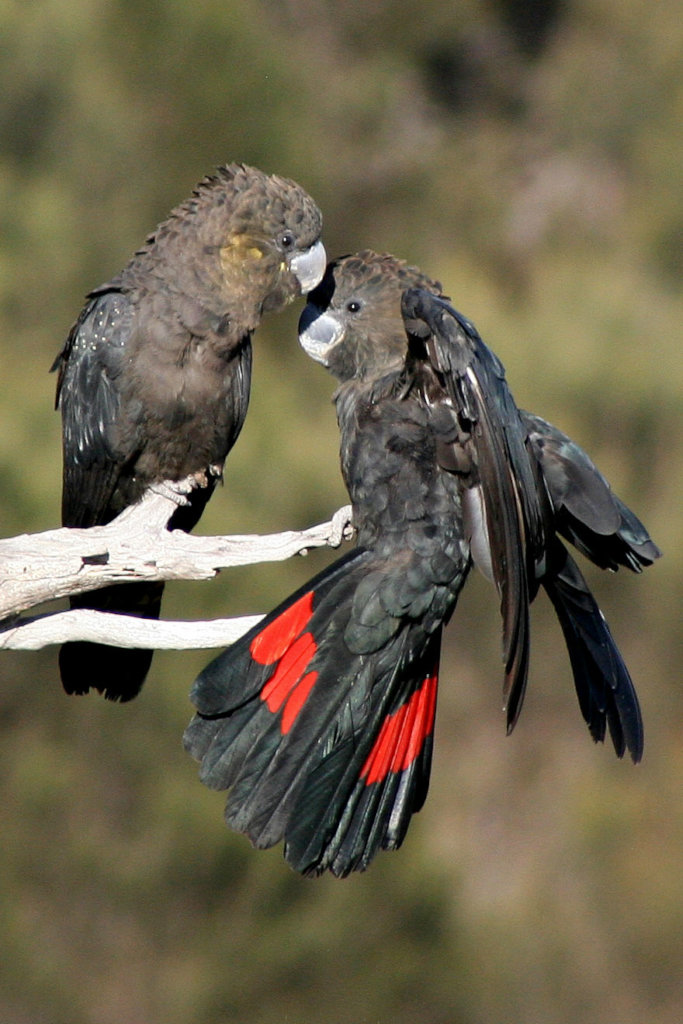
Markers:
<point>309,266</point>
<point>318,333</point>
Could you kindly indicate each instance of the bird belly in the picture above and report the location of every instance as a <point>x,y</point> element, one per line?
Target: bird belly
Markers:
<point>188,413</point>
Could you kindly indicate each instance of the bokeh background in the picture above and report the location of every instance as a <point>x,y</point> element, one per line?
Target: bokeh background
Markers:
<point>528,154</point>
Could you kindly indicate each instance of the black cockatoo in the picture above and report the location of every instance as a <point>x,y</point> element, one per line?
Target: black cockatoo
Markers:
<point>154,377</point>
<point>320,719</point>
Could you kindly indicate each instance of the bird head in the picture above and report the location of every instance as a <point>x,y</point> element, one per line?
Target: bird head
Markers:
<point>272,246</point>
<point>352,322</point>
<point>244,243</point>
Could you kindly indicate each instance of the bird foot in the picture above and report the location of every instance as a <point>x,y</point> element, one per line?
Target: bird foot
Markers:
<point>177,490</point>
<point>342,527</point>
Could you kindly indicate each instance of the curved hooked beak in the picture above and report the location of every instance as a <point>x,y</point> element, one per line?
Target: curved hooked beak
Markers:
<point>308,266</point>
<point>318,332</point>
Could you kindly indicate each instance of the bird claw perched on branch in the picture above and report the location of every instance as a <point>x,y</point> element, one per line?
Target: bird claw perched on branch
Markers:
<point>177,491</point>
<point>342,526</point>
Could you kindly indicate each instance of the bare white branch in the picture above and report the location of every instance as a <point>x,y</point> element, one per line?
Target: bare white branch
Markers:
<point>135,546</point>
<point>32,633</point>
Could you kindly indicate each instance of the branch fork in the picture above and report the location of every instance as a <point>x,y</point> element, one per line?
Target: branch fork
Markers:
<point>135,546</point>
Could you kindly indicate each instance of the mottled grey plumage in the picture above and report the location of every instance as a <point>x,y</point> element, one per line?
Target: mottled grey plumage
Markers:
<point>319,721</point>
<point>521,480</point>
<point>340,774</point>
<point>154,377</point>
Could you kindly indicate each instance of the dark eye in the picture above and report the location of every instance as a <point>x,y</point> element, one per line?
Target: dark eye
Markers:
<point>287,240</point>
<point>353,306</point>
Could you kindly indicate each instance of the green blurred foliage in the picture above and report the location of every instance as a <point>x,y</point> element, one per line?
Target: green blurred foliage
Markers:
<point>529,155</point>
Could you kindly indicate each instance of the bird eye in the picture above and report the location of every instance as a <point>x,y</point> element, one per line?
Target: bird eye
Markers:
<point>287,240</point>
<point>353,306</point>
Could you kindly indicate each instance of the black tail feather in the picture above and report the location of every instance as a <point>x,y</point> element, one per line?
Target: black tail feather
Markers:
<point>346,811</point>
<point>606,694</point>
<point>320,746</point>
<point>116,672</point>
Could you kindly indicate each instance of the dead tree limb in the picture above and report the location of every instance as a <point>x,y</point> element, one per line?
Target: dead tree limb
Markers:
<point>33,632</point>
<point>135,546</point>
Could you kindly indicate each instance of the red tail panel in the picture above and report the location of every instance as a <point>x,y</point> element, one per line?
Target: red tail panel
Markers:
<point>296,701</point>
<point>272,642</point>
<point>402,735</point>
<point>289,672</point>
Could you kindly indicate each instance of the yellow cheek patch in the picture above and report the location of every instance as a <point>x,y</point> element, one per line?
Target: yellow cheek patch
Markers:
<point>240,248</point>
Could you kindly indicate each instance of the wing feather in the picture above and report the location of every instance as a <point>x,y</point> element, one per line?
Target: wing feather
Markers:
<point>511,519</point>
<point>88,395</point>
